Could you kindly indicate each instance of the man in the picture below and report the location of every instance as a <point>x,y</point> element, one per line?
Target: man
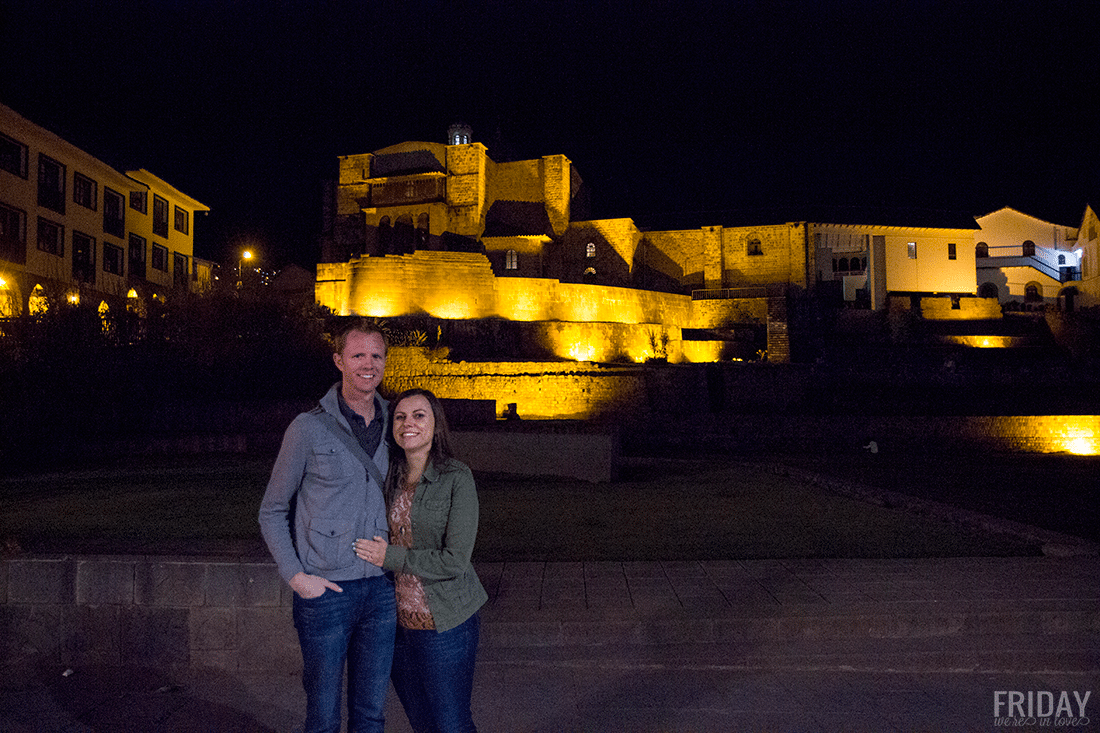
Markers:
<point>324,493</point>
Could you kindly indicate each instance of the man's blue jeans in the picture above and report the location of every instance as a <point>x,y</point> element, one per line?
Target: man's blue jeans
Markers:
<point>433,674</point>
<point>357,626</point>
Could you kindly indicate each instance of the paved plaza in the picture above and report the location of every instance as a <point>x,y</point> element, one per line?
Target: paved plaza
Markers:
<point>912,646</point>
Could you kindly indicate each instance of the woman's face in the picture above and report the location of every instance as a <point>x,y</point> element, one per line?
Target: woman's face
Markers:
<point>414,424</point>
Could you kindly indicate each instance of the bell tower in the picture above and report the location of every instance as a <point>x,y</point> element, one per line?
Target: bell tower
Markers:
<point>460,134</point>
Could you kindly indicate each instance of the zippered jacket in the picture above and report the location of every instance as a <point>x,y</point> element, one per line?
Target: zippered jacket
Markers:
<point>320,498</point>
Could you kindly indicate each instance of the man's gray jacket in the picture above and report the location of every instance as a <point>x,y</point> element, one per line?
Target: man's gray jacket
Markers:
<point>320,498</point>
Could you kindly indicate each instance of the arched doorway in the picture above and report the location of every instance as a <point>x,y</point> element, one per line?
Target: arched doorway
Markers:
<point>9,299</point>
<point>989,290</point>
<point>39,302</point>
<point>1067,298</point>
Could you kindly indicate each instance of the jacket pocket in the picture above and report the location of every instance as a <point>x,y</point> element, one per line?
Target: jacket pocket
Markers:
<point>328,462</point>
<point>330,544</point>
<point>434,513</point>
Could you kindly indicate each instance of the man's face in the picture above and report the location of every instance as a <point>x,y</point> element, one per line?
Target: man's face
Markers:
<point>363,363</point>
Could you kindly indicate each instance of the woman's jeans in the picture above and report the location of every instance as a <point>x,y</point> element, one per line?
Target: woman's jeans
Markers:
<point>433,674</point>
<point>358,626</point>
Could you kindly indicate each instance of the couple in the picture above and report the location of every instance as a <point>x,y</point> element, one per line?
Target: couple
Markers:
<point>372,523</point>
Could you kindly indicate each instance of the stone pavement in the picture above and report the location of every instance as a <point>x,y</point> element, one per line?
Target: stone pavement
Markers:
<point>911,646</point>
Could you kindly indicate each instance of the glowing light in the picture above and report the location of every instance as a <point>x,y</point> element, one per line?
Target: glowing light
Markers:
<point>454,307</point>
<point>984,342</point>
<point>132,293</point>
<point>3,283</point>
<point>582,352</point>
<point>74,298</point>
<point>1078,435</point>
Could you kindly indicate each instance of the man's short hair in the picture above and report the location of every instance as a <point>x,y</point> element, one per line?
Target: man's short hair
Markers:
<point>362,325</point>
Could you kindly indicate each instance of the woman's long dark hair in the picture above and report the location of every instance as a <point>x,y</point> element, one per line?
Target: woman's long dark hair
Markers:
<point>438,454</point>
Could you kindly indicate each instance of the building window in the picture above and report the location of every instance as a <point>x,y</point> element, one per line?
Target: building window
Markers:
<point>754,247</point>
<point>139,201</point>
<point>182,221</point>
<point>112,258</point>
<point>85,191</point>
<point>137,256</point>
<point>912,250</point>
<point>1029,248</point>
<point>590,249</point>
<point>114,213</point>
<point>83,258</point>
<point>981,250</point>
<point>51,237</point>
<point>160,216</point>
<point>179,269</point>
<point>13,235</point>
<point>956,302</point>
<point>13,156</point>
<point>511,260</point>
<point>1061,259</point>
<point>159,258</point>
<point>51,184</point>
<point>952,253</point>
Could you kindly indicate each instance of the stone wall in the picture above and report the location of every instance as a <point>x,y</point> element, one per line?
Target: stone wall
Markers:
<point>231,613</point>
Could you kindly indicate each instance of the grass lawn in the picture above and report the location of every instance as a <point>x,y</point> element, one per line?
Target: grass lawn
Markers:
<point>1057,491</point>
<point>699,510</point>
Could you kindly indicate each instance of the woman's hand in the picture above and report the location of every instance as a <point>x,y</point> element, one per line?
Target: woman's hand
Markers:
<point>373,551</point>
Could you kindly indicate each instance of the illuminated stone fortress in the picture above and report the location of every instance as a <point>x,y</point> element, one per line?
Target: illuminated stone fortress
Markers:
<point>442,229</point>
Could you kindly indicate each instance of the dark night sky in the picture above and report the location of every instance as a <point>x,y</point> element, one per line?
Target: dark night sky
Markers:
<point>703,109</point>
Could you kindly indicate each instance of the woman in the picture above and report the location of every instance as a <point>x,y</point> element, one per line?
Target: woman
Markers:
<point>433,513</point>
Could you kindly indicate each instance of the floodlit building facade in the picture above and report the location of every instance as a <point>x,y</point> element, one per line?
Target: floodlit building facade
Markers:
<point>442,229</point>
<point>72,227</point>
<point>1022,258</point>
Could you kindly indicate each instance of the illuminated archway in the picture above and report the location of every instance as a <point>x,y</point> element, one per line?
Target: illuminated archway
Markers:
<point>135,303</point>
<point>1033,292</point>
<point>39,303</point>
<point>8,304</point>
<point>104,311</point>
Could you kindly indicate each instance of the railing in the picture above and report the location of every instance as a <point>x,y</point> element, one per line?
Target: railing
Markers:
<point>760,291</point>
<point>1061,274</point>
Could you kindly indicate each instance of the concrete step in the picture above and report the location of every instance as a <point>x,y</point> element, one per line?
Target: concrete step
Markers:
<point>1074,654</point>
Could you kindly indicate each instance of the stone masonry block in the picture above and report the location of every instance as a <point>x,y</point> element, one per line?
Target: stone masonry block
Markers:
<point>268,641</point>
<point>247,585</point>
<point>104,581</point>
<point>30,633</point>
<point>91,635</point>
<point>173,584</point>
<point>155,637</point>
<point>213,628</point>
<point>41,581</point>
<point>223,659</point>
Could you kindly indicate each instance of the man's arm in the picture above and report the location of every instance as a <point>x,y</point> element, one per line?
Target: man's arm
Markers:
<point>282,488</point>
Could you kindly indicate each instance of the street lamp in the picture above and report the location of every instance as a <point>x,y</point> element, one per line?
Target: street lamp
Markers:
<point>246,255</point>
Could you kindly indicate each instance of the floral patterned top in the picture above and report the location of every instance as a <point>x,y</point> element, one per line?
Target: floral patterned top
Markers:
<point>412,604</point>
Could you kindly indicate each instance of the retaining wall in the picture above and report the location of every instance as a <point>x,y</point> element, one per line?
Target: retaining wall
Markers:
<point>231,613</point>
